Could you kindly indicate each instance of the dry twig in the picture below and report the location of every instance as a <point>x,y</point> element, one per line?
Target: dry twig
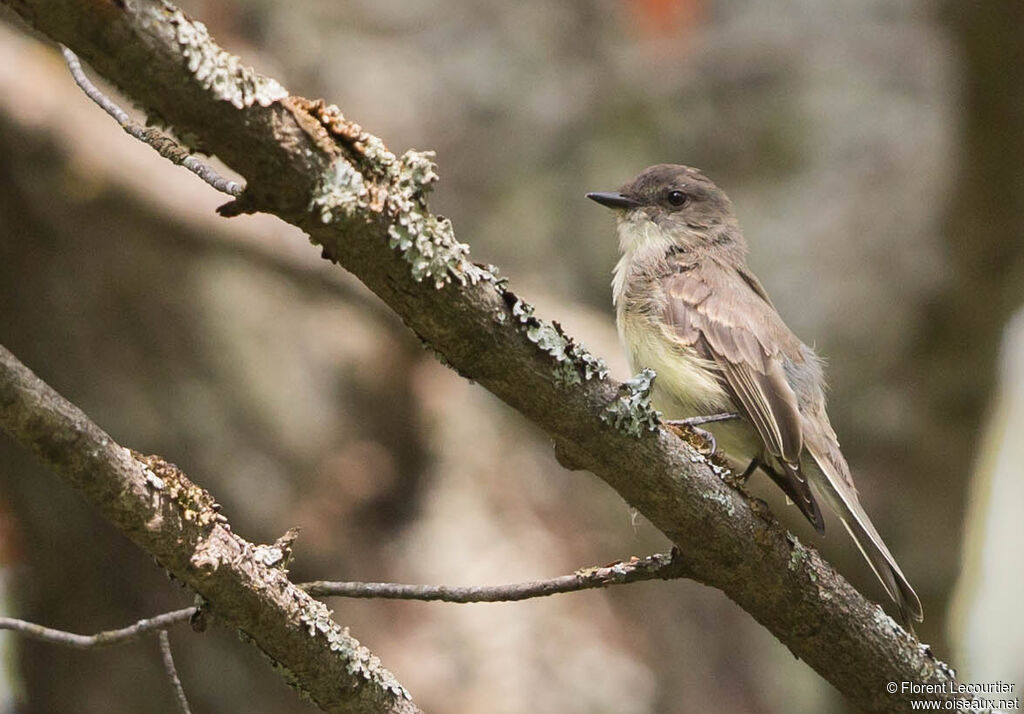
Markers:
<point>106,638</point>
<point>172,673</point>
<point>654,567</point>
<point>163,144</point>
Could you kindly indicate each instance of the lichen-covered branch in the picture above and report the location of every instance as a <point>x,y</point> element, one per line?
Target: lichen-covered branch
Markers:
<point>653,567</point>
<point>178,523</point>
<point>367,210</point>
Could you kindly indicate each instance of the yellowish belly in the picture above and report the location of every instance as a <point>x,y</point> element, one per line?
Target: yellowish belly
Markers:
<point>686,385</point>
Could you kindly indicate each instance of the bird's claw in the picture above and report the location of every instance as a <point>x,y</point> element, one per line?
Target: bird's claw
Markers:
<point>685,430</point>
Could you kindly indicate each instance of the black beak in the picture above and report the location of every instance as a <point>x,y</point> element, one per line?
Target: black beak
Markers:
<point>613,199</point>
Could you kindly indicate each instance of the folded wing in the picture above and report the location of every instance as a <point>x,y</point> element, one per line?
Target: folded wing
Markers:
<point>736,327</point>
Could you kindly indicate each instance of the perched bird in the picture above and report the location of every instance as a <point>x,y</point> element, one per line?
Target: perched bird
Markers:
<point>688,307</point>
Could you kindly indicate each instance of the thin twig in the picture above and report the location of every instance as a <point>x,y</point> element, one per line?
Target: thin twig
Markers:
<point>172,673</point>
<point>163,144</point>
<point>659,566</point>
<point>100,639</point>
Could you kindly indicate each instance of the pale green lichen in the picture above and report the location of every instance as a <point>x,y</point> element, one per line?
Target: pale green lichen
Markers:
<point>359,661</point>
<point>268,555</point>
<point>798,552</point>
<point>719,469</point>
<point>632,412</point>
<point>937,664</point>
<point>712,461</point>
<point>573,363</point>
<point>379,160</point>
<point>427,242</point>
<point>153,480</point>
<point>373,148</point>
<point>219,71</point>
<point>885,621</point>
<point>341,193</point>
<point>722,500</point>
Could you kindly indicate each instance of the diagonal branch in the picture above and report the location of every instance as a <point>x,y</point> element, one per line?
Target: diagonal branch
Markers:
<point>178,523</point>
<point>164,145</point>
<point>366,209</point>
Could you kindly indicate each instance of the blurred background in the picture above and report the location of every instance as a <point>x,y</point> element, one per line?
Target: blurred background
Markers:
<point>875,155</point>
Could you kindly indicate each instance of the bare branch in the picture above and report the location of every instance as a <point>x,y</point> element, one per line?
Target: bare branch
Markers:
<point>163,144</point>
<point>164,513</point>
<point>654,567</point>
<point>172,673</point>
<point>366,208</point>
<point>106,638</point>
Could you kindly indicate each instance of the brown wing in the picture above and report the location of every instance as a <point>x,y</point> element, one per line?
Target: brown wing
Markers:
<point>736,327</point>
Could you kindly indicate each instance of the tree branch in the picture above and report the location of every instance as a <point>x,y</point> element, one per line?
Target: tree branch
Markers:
<point>163,145</point>
<point>106,638</point>
<point>654,567</point>
<point>178,523</point>
<point>172,674</point>
<point>304,162</point>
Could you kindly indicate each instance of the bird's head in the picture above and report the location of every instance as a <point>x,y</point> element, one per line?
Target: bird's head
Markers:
<point>687,207</point>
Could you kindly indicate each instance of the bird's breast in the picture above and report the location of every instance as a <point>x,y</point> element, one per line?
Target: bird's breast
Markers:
<point>687,384</point>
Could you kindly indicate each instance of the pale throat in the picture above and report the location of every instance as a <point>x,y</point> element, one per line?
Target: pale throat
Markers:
<point>639,238</point>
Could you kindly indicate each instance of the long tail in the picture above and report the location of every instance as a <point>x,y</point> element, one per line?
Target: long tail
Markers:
<point>843,500</point>
<point>885,567</point>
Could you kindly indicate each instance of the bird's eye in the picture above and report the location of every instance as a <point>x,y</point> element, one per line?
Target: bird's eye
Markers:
<point>676,198</point>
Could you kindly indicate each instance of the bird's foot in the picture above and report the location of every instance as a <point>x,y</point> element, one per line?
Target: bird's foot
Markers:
<point>685,427</point>
<point>686,432</point>
<point>751,467</point>
<point>739,480</point>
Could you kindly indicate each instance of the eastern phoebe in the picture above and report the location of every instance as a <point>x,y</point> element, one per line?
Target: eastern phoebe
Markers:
<point>688,307</point>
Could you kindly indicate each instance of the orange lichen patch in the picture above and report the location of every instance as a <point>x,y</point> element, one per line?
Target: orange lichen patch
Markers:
<point>353,136</point>
<point>336,136</point>
<point>332,118</point>
<point>304,112</point>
